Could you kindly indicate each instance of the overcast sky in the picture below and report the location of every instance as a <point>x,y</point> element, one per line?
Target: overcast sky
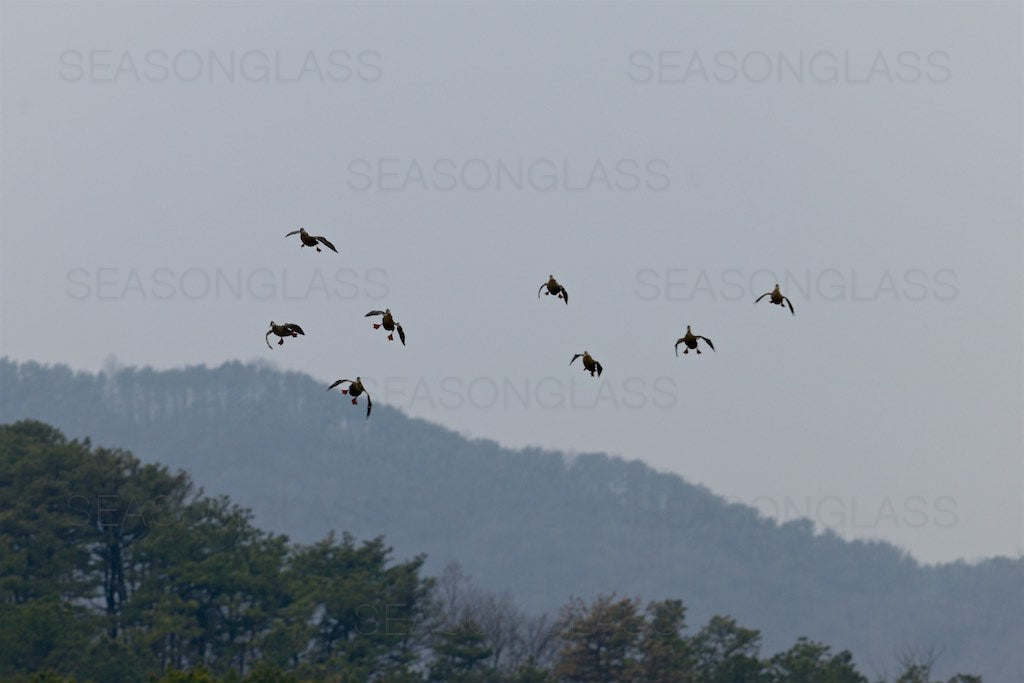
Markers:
<point>668,163</point>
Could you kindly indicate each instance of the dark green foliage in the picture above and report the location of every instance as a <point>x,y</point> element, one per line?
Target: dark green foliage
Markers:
<point>810,662</point>
<point>355,609</point>
<point>460,654</point>
<point>725,652</point>
<point>113,570</point>
<point>601,640</point>
<point>39,634</point>
<point>666,653</point>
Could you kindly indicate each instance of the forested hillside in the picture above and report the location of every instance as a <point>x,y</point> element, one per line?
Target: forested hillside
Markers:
<point>111,570</point>
<point>531,522</point>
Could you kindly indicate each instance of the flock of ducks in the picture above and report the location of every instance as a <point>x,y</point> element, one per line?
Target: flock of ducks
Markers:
<point>355,386</point>
<point>689,340</point>
<point>552,286</point>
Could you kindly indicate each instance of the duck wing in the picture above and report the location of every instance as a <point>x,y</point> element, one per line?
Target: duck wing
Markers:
<point>790,304</point>
<point>340,381</point>
<point>369,405</point>
<point>324,241</point>
<point>401,333</point>
<point>295,328</point>
<point>678,342</point>
<point>293,232</point>
<point>707,340</point>
<point>599,368</point>
<point>565,295</point>
<point>574,358</point>
<point>762,296</point>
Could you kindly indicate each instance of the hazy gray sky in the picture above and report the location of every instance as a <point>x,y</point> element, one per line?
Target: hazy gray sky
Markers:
<point>667,162</point>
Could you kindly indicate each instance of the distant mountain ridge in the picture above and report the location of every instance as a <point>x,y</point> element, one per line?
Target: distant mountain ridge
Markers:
<point>531,522</point>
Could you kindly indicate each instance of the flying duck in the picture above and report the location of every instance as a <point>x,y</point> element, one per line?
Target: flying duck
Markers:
<point>311,240</point>
<point>690,339</point>
<point>554,288</point>
<point>388,323</point>
<point>355,388</point>
<point>776,298</point>
<point>589,364</point>
<point>282,331</point>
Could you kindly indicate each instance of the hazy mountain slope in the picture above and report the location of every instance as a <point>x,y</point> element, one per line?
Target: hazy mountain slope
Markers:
<point>529,521</point>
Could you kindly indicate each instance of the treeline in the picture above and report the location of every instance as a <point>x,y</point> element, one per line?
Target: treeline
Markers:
<point>111,570</point>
